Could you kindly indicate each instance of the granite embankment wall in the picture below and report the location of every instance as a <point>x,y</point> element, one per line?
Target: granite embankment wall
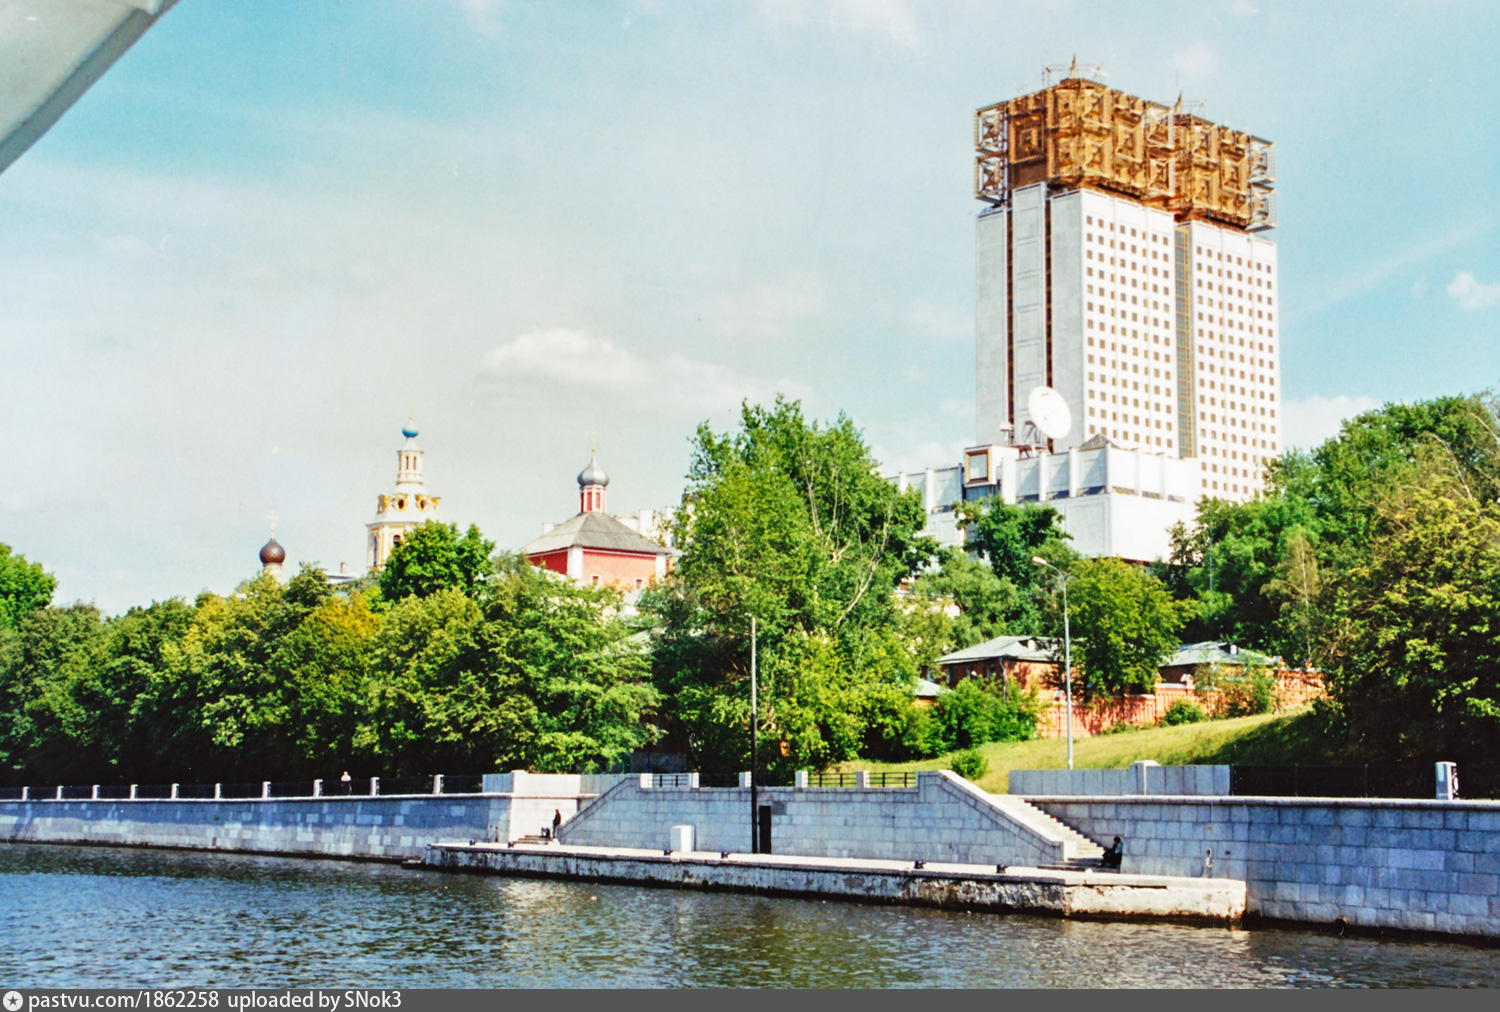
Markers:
<point>1411,865</point>
<point>1144,777</point>
<point>391,828</point>
<point>942,818</point>
<point>1065,894</point>
<point>381,827</point>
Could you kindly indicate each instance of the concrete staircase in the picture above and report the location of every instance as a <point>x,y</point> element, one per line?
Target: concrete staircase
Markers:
<point>1079,851</point>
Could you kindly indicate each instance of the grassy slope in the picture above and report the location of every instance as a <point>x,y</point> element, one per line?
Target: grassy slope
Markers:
<point>1287,737</point>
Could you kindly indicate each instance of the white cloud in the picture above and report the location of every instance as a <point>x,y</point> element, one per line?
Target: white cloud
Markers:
<point>1310,421</point>
<point>1473,294</point>
<point>573,360</point>
<point>940,324</point>
<point>892,18</point>
<point>1198,60</point>
<point>767,309</point>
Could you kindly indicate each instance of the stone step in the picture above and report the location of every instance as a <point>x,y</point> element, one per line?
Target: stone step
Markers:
<point>1083,848</point>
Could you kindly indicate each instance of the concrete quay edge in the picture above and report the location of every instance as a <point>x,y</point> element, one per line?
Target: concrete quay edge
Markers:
<point>1256,799</point>
<point>1076,894</point>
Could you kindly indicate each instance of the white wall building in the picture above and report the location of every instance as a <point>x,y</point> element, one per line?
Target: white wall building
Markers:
<point>1126,271</point>
<point>1119,262</point>
<point>1113,501</point>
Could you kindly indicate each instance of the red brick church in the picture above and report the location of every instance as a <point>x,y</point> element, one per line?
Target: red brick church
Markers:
<point>597,548</point>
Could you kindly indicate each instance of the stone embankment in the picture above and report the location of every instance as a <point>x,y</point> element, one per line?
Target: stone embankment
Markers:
<point>935,816</point>
<point>376,827</point>
<point>1077,894</point>
<point>1363,863</point>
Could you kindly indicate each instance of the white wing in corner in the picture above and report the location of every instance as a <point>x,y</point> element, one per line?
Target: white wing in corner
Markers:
<point>51,51</point>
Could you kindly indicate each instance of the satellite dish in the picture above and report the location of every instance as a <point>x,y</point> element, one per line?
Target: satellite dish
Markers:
<point>1050,412</point>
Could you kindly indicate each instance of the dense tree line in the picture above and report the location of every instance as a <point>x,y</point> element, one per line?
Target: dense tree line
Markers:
<point>1374,556</point>
<point>453,661</point>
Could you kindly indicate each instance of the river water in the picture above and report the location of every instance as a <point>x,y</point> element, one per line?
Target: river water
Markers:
<point>100,917</point>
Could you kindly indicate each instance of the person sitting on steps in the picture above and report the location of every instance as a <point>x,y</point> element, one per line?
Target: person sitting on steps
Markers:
<point>1113,855</point>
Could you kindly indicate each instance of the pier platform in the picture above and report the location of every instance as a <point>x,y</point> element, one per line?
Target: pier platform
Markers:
<point>1091,894</point>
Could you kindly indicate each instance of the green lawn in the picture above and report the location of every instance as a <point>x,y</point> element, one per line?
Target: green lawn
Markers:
<point>1286,737</point>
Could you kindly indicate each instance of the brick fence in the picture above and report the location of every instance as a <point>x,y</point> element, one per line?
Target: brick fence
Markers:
<point>1293,688</point>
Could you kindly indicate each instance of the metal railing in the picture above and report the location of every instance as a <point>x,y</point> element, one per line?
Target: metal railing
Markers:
<point>463,784</point>
<point>863,779</point>
<point>406,785</point>
<point>1368,781</point>
<point>1479,783</point>
<point>718,780</point>
<point>833,780</point>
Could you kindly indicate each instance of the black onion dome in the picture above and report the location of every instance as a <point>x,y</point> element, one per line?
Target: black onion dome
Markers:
<point>272,554</point>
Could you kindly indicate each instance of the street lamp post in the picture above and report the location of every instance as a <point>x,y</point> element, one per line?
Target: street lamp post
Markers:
<point>1062,581</point>
<point>754,751</point>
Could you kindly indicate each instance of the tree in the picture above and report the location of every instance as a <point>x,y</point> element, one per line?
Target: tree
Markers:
<point>432,557</point>
<point>24,587</point>
<point>983,601</point>
<point>1124,625</point>
<point>1416,655</point>
<point>1296,588</point>
<point>46,681</point>
<point>1009,537</point>
<point>787,521</point>
<point>538,674</point>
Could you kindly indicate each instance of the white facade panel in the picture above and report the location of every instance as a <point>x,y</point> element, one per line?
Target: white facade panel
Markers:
<point>991,293</point>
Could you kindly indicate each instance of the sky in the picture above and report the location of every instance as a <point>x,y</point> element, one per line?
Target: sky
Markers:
<point>275,230</point>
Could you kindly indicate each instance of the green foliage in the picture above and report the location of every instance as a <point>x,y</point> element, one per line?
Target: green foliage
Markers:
<point>786,520</point>
<point>24,587</point>
<point>1417,660</point>
<point>970,764</point>
<point>1009,537</point>
<point>433,558</point>
<point>979,711</point>
<point>1372,556</point>
<point>1124,625</point>
<point>1184,711</point>
<point>1244,691</point>
<point>984,603</point>
<point>294,682</point>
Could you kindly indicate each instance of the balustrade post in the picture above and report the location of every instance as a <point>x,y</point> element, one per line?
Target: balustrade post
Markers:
<point>132,791</point>
<point>265,789</point>
<point>173,793</point>
<point>799,778</point>
<point>862,778</point>
<point>218,792</point>
<point>317,788</point>
<point>374,786</point>
<point>437,783</point>
<point>94,794</point>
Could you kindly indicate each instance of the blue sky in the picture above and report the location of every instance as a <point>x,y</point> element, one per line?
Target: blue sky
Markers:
<point>275,228</point>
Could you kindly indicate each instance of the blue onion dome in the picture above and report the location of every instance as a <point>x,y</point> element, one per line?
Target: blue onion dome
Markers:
<point>593,474</point>
<point>409,430</point>
<point>272,554</point>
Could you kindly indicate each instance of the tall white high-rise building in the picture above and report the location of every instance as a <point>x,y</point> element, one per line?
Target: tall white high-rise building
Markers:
<point>1121,262</point>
